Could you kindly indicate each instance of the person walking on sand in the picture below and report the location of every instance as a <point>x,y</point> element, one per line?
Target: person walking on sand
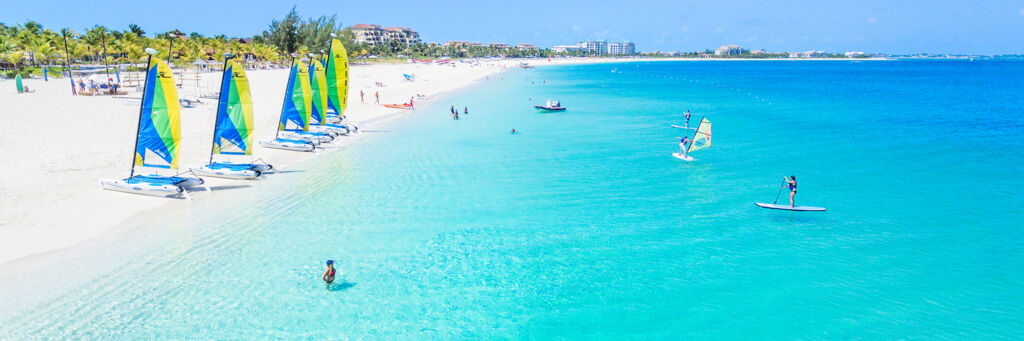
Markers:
<point>411,106</point>
<point>791,182</point>
<point>361,101</point>
<point>328,275</point>
<point>376,94</point>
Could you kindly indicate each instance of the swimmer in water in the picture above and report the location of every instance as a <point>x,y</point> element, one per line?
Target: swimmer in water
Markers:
<point>329,273</point>
<point>513,130</point>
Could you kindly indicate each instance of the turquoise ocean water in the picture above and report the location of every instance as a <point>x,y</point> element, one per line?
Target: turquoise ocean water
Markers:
<point>584,225</point>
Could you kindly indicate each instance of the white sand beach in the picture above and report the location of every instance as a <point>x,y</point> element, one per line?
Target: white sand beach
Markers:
<point>56,146</point>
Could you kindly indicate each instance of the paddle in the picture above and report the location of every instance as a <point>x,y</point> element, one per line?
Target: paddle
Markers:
<point>778,194</point>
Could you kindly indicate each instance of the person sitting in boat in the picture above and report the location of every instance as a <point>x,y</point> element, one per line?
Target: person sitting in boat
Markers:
<point>791,183</point>
<point>330,272</point>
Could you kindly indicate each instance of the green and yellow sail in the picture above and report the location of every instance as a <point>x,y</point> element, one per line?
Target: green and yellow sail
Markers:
<point>232,134</point>
<point>318,83</point>
<point>701,138</point>
<point>295,113</point>
<point>337,78</point>
<point>159,131</point>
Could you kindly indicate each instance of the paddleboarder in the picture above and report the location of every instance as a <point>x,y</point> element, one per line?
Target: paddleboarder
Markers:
<point>791,183</point>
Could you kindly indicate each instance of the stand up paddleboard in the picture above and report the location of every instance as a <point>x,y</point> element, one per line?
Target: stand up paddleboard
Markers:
<point>789,208</point>
<point>683,157</point>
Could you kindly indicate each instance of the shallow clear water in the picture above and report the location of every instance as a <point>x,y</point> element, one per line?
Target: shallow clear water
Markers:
<point>583,225</point>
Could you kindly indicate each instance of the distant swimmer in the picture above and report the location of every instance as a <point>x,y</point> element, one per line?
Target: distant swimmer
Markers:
<point>465,110</point>
<point>791,183</point>
<point>329,273</point>
<point>513,130</point>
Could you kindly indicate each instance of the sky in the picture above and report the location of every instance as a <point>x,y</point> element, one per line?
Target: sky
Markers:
<point>874,26</point>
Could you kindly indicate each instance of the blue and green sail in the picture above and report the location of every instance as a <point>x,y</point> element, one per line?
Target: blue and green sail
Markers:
<point>337,78</point>
<point>318,83</point>
<point>295,113</point>
<point>160,119</point>
<point>232,134</point>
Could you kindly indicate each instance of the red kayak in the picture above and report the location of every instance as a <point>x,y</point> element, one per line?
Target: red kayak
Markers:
<point>398,106</point>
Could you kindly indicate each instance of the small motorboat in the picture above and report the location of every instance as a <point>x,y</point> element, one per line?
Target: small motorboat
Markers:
<point>550,106</point>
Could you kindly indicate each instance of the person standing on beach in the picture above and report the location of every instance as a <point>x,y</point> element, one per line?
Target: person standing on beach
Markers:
<point>410,104</point>
<point>376,94</point>
<point>791,182</point>
<point>361,97</point>
<point>328,275</point>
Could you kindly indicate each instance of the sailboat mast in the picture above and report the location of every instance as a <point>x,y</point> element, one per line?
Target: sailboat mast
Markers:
<point>284,103</point>
<point>142,107</point>
<point>220,96</point>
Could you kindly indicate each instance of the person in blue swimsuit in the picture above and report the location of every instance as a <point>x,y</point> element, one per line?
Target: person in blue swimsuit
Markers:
<point>791,182</point>
<point>682,145</point>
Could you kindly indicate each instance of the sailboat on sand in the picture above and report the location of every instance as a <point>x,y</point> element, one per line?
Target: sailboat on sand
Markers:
<point>294,113</point>
<point>157,138</point>
<point>232,128</point>
<point>337,85</point>
<point>318,86</point>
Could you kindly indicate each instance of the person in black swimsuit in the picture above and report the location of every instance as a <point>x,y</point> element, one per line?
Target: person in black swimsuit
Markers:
<point>791,182</point>
<point>329,273</point>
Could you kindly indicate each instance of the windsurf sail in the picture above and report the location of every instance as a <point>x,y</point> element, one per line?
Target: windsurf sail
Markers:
<point>702,137</point>
<point>318,83</point>
<point>337,78</point>
<point>295,113</point>
<point>159,120</point>
<point>17,83</point>
<point>232,134</point>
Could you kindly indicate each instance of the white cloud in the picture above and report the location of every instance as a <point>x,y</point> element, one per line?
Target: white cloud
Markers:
<point>872,20</point>
<point>576,28</point>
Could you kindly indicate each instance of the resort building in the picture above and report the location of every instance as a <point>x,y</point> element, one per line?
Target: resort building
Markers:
<point>373,35</point>
<point>498,45</point>
<point>526,46</point>
<point>729,50</point>
<point>621,48</point>
<point>594,46</point>
<point>566,48</point>
<point>854,54</point>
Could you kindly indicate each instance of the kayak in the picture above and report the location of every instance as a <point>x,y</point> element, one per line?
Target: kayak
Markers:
<point>398,106</point>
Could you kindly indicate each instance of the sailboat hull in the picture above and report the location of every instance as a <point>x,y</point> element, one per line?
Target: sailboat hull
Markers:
<point>316,138</point>
<point>294,145</point>
<point>333,129</point>
<point>151,189</point>
<point>227,173</point>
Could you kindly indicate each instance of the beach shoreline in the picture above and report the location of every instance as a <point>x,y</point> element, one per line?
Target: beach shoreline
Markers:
<point>56,204</point>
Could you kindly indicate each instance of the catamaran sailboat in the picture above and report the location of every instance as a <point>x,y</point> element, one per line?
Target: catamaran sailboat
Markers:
<point>294,112</point>
<point>701,139</point>
<point>318,86</point>
<point>232,129</point>
<point>336,72</point>
<point>157,138</point>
